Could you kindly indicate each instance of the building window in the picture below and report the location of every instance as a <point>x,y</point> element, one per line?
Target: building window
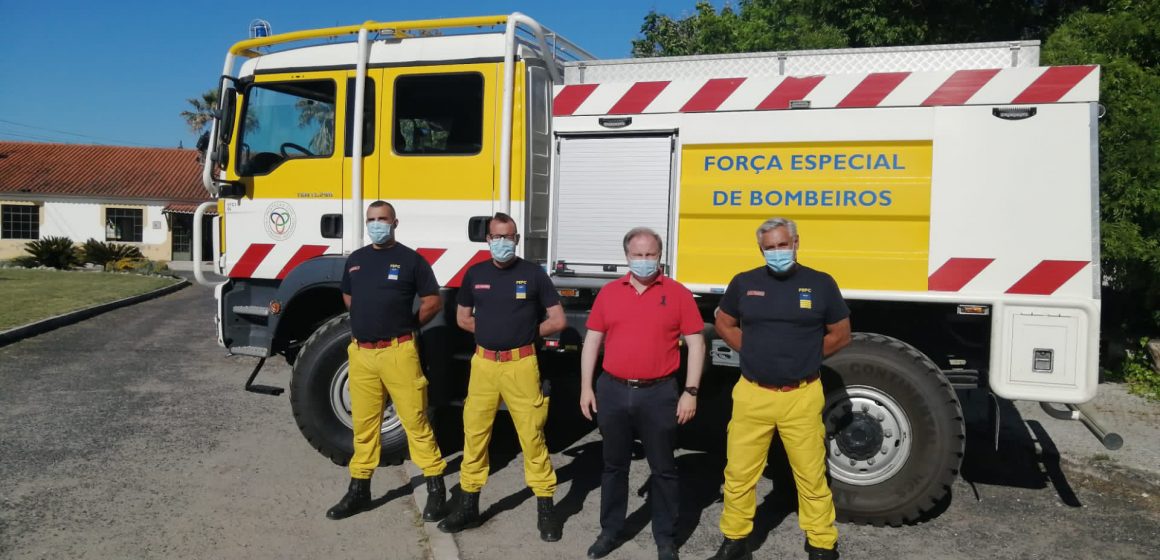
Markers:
<point>20,221</point>
<point>438,114</point>
<point>123,224</point>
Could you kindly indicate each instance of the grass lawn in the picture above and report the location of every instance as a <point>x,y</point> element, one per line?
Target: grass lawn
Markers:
<point>27,296</point>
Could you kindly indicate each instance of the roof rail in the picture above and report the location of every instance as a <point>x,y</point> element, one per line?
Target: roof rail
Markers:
<point>562,49</point>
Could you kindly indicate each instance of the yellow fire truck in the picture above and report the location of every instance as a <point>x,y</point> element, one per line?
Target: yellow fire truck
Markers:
<point>951,191</point>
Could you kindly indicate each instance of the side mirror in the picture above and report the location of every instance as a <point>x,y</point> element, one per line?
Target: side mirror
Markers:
<point>226,110</point>
<point>477,228</point>
<point>221,155</point>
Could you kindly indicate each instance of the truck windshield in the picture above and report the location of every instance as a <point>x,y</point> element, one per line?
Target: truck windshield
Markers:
<point>284,121</point>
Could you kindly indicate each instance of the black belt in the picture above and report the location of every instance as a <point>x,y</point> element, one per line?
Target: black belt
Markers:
<point>786,388</point>
<point>638,383</point>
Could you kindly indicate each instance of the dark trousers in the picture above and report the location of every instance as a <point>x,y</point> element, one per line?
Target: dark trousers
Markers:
<point>649,413</point>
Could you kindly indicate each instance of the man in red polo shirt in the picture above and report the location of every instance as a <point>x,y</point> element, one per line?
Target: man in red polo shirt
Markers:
<point>640,318</point>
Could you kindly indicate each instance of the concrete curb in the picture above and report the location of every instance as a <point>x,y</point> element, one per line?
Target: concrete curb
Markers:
<point>443,546</point>
<point>32,329</point>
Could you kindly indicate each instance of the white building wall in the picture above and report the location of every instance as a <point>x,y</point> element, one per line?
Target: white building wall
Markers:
<point>82,219</point>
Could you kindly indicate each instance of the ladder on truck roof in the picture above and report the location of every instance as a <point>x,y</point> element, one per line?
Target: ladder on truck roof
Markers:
<point>925,58</point>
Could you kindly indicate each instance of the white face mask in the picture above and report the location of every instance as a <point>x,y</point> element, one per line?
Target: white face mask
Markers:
<point>780,260</point>
<point>379,232</point>
<point>643,268</point>
<point>502,250</point>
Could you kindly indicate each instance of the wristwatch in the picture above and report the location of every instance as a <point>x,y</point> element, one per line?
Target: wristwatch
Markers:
<point>691,390</point>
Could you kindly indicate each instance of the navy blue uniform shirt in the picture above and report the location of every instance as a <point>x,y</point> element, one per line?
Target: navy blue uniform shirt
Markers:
<point>509,302</point>
<point>783,321</point>
<point>382,285</point>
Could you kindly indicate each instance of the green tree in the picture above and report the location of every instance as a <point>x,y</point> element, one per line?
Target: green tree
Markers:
<point>763,25</point>
<point>319,115</point>
<point>1125,42</point>
<point>204,108</point>
<point>756,25</point>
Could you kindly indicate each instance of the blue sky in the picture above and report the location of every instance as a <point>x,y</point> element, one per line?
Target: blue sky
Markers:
<point>119,72</point>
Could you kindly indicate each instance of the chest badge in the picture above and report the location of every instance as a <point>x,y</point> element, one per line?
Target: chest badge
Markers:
<point>393,273</point>
<point>521,289</point>
<point>805,298</point>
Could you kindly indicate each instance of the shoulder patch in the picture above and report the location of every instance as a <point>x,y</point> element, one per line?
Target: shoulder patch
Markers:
<point>758,293</point>
<point>353,268</point>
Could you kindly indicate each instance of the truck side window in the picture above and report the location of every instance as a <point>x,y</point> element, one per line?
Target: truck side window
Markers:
<point>368,138</point>
<point>438,114</point>
<point>285,121</point>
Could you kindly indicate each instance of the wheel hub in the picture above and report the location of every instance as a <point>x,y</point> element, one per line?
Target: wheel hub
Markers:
<point>340,403</point>
<point>867,435</point>
<point>861,436</point>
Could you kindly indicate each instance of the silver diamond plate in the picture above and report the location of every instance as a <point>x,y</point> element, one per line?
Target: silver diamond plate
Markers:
<point>801,63</point>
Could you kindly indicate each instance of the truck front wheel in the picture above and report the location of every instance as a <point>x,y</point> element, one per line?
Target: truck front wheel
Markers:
<point>320,397</point>
<point>894,431</point>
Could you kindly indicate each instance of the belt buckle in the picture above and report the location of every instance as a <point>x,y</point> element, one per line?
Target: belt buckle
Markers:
<point>634,383</point>
<point>502,356</point>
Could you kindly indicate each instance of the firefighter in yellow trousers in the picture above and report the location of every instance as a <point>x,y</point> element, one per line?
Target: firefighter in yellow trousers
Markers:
<point>509,297</point>
<point>379,286</point>
<point>792,317</point>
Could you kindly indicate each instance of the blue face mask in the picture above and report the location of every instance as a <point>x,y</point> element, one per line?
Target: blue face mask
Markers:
<point>780,260</point>
<point>502,250</point>
<point>643,268</point>
<point>379,232</point>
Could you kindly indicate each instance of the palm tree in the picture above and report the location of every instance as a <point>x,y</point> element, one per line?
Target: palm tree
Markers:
<point>203,111</point>
<point>321,114</point>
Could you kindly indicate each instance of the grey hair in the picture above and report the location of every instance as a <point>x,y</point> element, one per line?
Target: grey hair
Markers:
<point>641,231</point>
<point>774,223</point>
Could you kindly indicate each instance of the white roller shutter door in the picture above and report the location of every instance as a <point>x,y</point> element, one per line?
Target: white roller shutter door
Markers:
<point>607,186</point>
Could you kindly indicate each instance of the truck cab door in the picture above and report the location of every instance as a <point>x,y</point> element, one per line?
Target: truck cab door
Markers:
<point>438,158</point>
<point>289,160</point>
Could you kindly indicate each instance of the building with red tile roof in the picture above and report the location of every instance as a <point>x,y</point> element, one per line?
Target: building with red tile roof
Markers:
<point>139,196</point>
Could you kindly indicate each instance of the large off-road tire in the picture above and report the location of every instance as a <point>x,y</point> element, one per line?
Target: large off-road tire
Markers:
<point>320,397</point>
<point>894,431</point>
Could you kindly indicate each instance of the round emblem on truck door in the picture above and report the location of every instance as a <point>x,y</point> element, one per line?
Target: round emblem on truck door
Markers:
<point>279,221</point>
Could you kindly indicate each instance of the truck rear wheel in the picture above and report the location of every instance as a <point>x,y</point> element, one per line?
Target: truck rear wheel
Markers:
<point>320,397</point>
<point>894,431</point>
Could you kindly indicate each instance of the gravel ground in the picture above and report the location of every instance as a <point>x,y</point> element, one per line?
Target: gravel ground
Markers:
<point>128,436</point>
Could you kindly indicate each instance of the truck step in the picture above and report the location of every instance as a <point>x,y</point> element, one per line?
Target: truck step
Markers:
<point>252,310</point>
<point>254,351</point>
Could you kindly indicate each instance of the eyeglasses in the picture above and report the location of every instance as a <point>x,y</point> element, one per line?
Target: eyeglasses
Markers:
<point>509,237</point>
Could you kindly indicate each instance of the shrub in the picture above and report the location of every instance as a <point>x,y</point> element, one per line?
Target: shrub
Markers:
<point>23,261</point>
<point>137,266</point>
<point>1142,379</point>
<point>101,253</point>
<point>55,252</point>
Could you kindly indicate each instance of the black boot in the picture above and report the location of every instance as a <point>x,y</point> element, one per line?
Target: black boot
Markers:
<point>602,546</point>
<point>816,553</point>
<point>546,521</point>
<point>357,499</point>
<point>733,549</point>
<point>466,516</point>
<point>436,508</point>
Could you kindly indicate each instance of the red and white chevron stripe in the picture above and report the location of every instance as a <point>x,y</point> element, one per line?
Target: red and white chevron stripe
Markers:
<point>454,263</point>
<point>1043,279</point>
<point>1053,84</point>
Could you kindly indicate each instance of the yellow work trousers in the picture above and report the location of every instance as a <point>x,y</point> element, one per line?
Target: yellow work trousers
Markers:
<point>516,383</point>
<point>376,375</point>
<point>797,416</point>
